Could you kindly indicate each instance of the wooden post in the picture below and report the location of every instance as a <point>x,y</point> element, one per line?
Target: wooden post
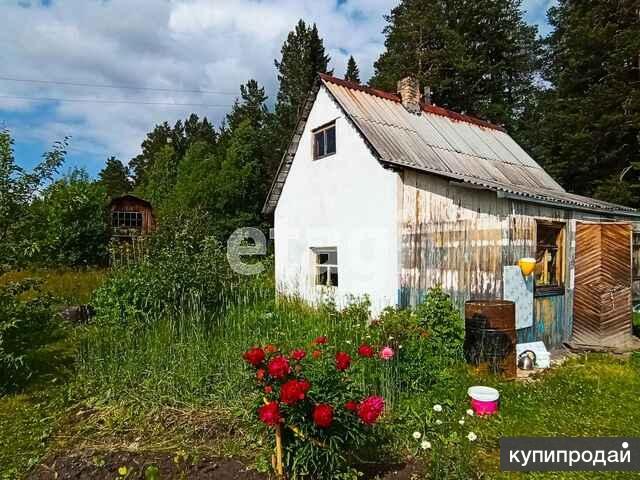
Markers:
<point>278,460</point>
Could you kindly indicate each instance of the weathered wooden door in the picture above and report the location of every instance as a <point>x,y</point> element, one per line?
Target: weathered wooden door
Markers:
<point>602,295</point>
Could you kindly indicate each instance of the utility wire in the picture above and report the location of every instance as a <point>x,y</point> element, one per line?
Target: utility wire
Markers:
<point>127,102</point>
<point>99,85</point>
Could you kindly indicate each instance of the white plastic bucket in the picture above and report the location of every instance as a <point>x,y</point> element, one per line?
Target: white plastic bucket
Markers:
<point>484,400</point>
<point>483,394</point>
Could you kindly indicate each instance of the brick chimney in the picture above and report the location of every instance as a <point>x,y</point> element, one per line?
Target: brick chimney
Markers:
<point>409,92</point>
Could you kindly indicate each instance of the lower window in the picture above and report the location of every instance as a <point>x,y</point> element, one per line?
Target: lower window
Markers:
<point>325,266</point>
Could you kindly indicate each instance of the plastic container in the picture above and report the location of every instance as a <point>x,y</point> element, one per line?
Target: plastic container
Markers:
<point>484,400</point>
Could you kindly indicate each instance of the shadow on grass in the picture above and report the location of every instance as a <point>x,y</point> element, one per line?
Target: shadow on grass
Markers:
<point>32,410</point>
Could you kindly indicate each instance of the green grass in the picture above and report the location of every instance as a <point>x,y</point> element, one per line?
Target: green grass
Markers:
<point>71,286</point>
<point>29,418</point>
<point>196,359</point>
<point>178,383</point>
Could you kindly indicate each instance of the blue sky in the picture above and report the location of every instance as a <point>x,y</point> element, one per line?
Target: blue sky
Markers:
<point>176,47</point>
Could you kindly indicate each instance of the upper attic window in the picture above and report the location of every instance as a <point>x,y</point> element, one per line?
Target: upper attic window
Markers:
<point>324,140</point>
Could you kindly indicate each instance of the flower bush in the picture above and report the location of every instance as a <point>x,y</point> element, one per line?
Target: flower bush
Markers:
<point>323,415</point>
<point>444,439</point>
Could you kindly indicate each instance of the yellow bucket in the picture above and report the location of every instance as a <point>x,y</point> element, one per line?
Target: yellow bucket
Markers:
<point>527,266</point>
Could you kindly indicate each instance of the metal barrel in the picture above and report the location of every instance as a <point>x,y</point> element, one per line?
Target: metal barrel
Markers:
<point>490,336</point>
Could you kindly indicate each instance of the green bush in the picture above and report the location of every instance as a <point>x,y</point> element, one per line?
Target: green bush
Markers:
<point>184,272</point>
<point>443,325</point>
<point>25,323</point>
<point>428,341</point>
<point>68,223</point>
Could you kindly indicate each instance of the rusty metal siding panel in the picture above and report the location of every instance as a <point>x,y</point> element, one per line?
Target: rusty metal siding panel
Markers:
<point>602,296</point>
<point>548,322</point>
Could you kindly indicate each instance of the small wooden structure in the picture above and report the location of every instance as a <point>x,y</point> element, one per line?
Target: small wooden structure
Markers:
<point>130,218</point>
<point>602,297</point>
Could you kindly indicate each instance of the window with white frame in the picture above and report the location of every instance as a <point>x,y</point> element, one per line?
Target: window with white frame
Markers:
<point>324,141</point>
<point>325,266</point>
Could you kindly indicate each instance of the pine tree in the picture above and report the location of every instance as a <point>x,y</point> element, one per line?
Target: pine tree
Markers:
<point>114,177</point>
<point>353,72</point>
<point>250,106</point>
<point>585,129</point>
<point>180,137</point>
<point>479,57</point>
<point>303,56</point>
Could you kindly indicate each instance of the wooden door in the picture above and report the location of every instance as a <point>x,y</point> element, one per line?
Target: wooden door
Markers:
<point>602,295</point>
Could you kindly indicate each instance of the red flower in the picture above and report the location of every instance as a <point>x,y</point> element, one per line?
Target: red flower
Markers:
<point>343,361</point>
<point>254,356</point>
<point>270,413</point>
<point>320,340</point>
<point>298,354</point>
<point>260,373</point>
<point>279,367</point>
<point>268,389</point>
<point>316,354</point>
<point>293,391</point>
<point>370,409</point>
<point>323,415</point>
<point>304,385</point>
<point>366,351</point>
<point>270,348</point>
<point>351,406</point>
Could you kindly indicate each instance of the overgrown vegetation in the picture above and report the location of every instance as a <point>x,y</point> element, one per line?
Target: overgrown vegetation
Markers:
<point>25,324</point>
<point>160,363</point>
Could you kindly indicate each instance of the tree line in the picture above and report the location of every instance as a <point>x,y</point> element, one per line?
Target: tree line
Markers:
<point>571,98</point>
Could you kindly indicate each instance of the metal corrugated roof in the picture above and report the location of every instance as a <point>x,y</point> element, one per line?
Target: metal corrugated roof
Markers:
<point>444,143</point>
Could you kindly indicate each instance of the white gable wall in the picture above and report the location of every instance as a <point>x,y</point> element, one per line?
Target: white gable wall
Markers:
<point>348,201</point>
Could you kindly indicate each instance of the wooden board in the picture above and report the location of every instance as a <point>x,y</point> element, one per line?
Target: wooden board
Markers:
<point>602,297</point>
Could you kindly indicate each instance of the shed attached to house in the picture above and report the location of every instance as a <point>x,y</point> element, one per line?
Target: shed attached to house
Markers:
<point>380,194</point>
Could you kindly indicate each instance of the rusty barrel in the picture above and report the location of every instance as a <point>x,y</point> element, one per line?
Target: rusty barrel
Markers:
<point>490,336</point>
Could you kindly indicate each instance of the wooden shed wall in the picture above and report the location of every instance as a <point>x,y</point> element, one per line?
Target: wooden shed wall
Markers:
<point>130,204</point>
<point>461,238</point>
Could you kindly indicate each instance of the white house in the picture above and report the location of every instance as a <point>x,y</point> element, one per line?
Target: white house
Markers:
<point>385,195</point>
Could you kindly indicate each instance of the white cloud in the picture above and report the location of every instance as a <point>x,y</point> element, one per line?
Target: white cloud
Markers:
<point>191,44</point>
<point>212,45</point>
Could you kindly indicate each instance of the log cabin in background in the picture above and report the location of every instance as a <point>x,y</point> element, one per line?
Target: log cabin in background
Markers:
<point>131,221</point>
<point>388,195</point>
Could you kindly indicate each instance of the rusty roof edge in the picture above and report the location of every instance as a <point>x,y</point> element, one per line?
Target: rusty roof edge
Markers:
<point>432,109</point>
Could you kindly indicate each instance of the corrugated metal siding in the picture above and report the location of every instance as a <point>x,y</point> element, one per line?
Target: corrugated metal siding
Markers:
<point>549,322</point>
<point>399,135</point>
<point>462,239</point>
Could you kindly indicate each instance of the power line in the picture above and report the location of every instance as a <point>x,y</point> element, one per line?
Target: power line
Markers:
<point>100,85</point>
<point>126,102</point>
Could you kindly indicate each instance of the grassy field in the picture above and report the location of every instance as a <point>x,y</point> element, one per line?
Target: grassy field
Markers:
<point>30,417</point>
<point>70,286</point>
<point>177,385</point>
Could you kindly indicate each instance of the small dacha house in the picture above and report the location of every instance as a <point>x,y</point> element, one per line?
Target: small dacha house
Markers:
<point>130,218</point>
<point>388,195</point>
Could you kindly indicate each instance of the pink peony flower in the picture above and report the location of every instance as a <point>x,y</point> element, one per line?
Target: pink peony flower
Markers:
<point>387,353</point>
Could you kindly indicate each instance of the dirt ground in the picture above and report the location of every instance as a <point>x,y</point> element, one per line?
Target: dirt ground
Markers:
<point>147,466</point>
